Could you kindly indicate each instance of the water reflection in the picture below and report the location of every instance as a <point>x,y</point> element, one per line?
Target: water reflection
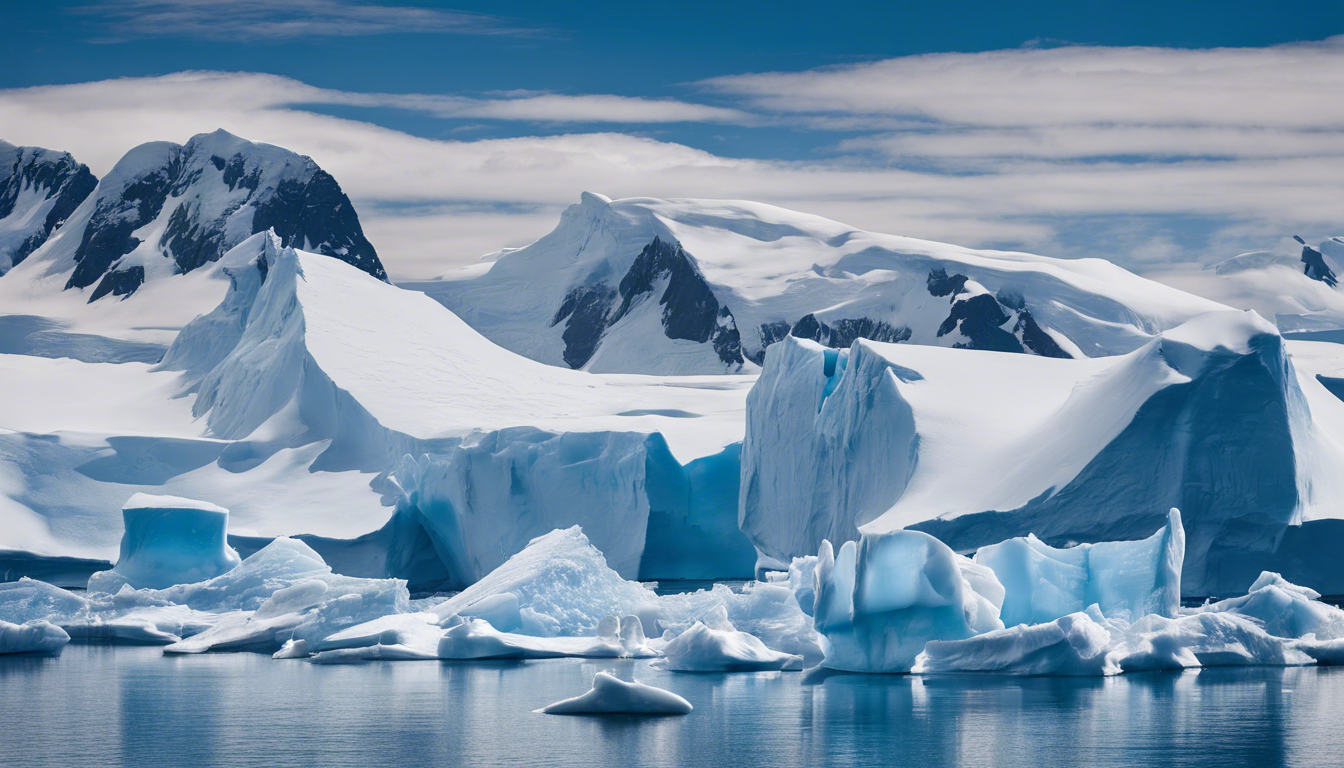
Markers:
<point>100,705</point>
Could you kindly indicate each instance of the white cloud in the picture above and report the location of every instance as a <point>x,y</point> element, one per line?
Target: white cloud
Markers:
<point>429,204</point>
<point>269,20</point>
<point>1286,86</point>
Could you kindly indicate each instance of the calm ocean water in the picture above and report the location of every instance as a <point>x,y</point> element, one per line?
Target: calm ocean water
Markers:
<point>108,706</point>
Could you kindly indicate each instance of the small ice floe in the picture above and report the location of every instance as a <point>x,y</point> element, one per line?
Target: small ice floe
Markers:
<point>613,696</point>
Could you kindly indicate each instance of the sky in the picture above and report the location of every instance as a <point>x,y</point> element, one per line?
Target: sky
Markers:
<point>1163,136</point>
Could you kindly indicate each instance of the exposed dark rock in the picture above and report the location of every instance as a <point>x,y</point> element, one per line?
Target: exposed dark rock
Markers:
<point>980,319</point>
<point>942,285</point>
<point>1034,338</point>
<point>316,214</point>
<point>586,307</point>
<point>60,175</point>
<point>121,282</point>
<point>690,309</point>
<point>1314,265</point>
<point>840,334</point>
<point>108,235</point>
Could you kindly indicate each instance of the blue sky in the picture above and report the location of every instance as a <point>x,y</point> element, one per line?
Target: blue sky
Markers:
<point>1161,135</point>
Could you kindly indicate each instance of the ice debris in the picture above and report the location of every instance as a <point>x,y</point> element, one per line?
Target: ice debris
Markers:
<point>36,637</point>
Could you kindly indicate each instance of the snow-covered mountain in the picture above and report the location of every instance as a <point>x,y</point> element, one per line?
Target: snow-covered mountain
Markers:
<point>39,189</point>
<point>1218,417</point>
<point>704,286</point>
<point>1299,290</point>
<point>168,209</point>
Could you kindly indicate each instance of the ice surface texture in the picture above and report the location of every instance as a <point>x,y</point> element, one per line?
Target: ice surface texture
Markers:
<point>612,696</point>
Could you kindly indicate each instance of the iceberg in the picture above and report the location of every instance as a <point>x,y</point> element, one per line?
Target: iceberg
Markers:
<point>561,586</point>
<point>1214,639</point>
<point>36,637</point>
<point>169,540</point>
<point>1213,417</point>
<point>1123,578</point>
<point>612,696</point>
<point>881,599</point>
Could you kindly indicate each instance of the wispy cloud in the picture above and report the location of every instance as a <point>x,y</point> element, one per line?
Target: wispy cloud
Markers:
<point>241,20</point>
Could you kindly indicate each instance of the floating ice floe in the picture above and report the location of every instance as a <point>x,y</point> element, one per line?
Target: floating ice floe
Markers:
<point>36,637</point>
<point>612,696</point>
<point>169,540</point>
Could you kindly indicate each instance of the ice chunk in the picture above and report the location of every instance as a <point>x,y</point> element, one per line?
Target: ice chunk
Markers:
<point>28,599</point>
<point>562,585</point>
<point>721,648</point>
<point>169,540</point>
<point>613,696</point>
<point>1215,639</point>
<point>476,639</point>
<point>38,637</point>
<point>1285,609</point>
<point>1073,645</point>
<point>768,611</point>
<point>284,591</point>
<point>1129,579</point>
<point>879,602</point>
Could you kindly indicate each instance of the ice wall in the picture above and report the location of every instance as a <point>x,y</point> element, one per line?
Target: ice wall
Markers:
<point>169,540</point>
<point>653,518</point>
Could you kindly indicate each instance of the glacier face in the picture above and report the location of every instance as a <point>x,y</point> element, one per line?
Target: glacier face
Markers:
<point>705,286</point>
<point>1211,417</point>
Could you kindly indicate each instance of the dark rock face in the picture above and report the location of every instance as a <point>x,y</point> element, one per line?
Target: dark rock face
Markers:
<point>59,175</point>
<point>121,282</point>
<point>690,309</point>
<point>586,307</point>
<point>317,213</point>
<point>981,319</point>
<point>840,334</point>
<point>108,235</point>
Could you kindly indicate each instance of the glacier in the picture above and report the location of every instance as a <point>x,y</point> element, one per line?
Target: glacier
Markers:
<point>1212,417</point>
<point>285,397</point>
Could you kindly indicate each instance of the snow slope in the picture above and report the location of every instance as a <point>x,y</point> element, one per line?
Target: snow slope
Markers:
<point>704,286</point>
<point>1211,417</point>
